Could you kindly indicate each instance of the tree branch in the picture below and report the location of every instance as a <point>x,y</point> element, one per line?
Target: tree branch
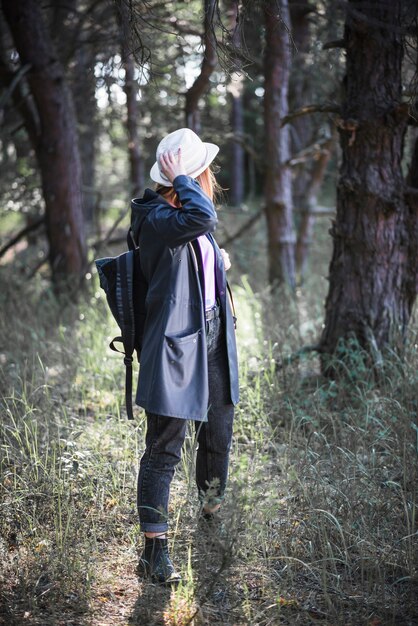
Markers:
<point>335,43</point>
<point>253,219</point>
<point>37,267</point>
<point>249,149</point>
<point>22,233</point>
<point>202,83</point>
<point>107,238</point>
<point>317,149</point>
<point>308,109</point>
<point>411,191</point>
<point>14,81</point>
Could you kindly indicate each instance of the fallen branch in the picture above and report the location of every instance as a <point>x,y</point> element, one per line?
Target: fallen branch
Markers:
<point>22,233</point>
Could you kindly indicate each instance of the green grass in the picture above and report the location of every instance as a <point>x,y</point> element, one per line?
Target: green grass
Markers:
<point>320,520</point>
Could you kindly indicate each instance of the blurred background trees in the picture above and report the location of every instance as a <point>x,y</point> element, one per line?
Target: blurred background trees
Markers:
<point>89,87</point>
<point>314,106</point>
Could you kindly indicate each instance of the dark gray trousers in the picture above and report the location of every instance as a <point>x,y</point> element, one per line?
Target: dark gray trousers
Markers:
<point>165,437</point>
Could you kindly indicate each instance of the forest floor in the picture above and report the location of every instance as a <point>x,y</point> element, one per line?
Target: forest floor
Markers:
<point>320,521</point>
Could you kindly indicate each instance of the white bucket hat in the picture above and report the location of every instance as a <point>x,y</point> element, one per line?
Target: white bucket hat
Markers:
<point>196,154</point>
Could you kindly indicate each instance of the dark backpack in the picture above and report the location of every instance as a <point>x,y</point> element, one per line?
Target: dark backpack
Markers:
<point>124,283</point>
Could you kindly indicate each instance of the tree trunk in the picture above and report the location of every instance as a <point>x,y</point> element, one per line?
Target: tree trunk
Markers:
<point>300,93</point>
<point>278,181</point>
<point>202,82</point>
<point>238,162</point>
<point>412,176</point>
<point>307,207</point>
<point>372,282</point>
<point>252,178</point>
<point>83,89</point>
<point>307,176</point>
<point>235,90</point>
<point>412,225</point>
<point>136,163</point>
<point>78,54</point>
<point>56,145</point>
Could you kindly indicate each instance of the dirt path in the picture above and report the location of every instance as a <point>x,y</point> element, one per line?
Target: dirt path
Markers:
<point>117,588</point>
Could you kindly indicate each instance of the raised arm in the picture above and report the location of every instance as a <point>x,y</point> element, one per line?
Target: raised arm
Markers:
<point>197,215</point>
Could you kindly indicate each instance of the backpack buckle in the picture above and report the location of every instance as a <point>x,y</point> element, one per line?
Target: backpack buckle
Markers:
<point>128,360</point>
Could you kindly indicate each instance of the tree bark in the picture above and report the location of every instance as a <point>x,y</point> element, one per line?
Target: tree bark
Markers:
<point>56,145</point>
<point>307,206</point>
<point>305,181</point>
<point>278,181</point>
<point>235,90</point>
<point>372,282</point>
<point>14,87</point>
<point>412,224</point>
<point>136,163</point>
<point>83,89</point>
<point>78,53</point>
<point>202,82</point>
<point>299,88</point>
<point>238,161</point>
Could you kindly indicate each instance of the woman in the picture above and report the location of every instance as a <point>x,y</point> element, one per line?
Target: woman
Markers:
<point>188,354</point>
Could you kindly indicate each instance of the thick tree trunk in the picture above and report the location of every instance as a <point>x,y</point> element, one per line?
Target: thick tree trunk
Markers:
<point>372,283</point>
<point>202,83</point>
<point>278,181</point>
<point>78,54</point>
<point>56,145</point>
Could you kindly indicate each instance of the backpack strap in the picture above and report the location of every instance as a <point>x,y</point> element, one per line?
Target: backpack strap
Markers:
<point>231,300</point>
<point>130,240</point>
<point>125,306</point>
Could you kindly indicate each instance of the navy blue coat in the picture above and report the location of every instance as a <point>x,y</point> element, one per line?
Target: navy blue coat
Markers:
<point>173,375</point>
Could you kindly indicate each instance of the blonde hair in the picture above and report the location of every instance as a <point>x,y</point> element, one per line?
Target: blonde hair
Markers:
<point>206,180</point>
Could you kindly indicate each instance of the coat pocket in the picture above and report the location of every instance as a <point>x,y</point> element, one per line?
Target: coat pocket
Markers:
<point>181,357</point>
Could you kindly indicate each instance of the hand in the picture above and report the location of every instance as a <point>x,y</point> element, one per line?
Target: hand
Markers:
<point>226,259</point>
<point>171,165</point>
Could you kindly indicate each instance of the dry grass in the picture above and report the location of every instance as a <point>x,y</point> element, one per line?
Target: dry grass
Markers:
<point>320,523</point>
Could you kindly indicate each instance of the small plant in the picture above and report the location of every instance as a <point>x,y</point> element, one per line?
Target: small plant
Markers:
<point>319,522</point>
<point>182,609</point>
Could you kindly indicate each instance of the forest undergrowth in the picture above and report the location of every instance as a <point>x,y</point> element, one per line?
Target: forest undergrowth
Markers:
<point>320,520</point>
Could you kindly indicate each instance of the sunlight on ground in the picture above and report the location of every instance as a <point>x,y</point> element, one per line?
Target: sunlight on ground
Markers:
<point>319,522</point>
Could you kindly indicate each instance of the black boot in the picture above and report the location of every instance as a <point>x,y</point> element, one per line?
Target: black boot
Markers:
<point>156,563</point>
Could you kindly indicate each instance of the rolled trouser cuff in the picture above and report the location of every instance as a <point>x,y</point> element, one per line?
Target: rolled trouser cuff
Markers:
<point>147,527</point>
